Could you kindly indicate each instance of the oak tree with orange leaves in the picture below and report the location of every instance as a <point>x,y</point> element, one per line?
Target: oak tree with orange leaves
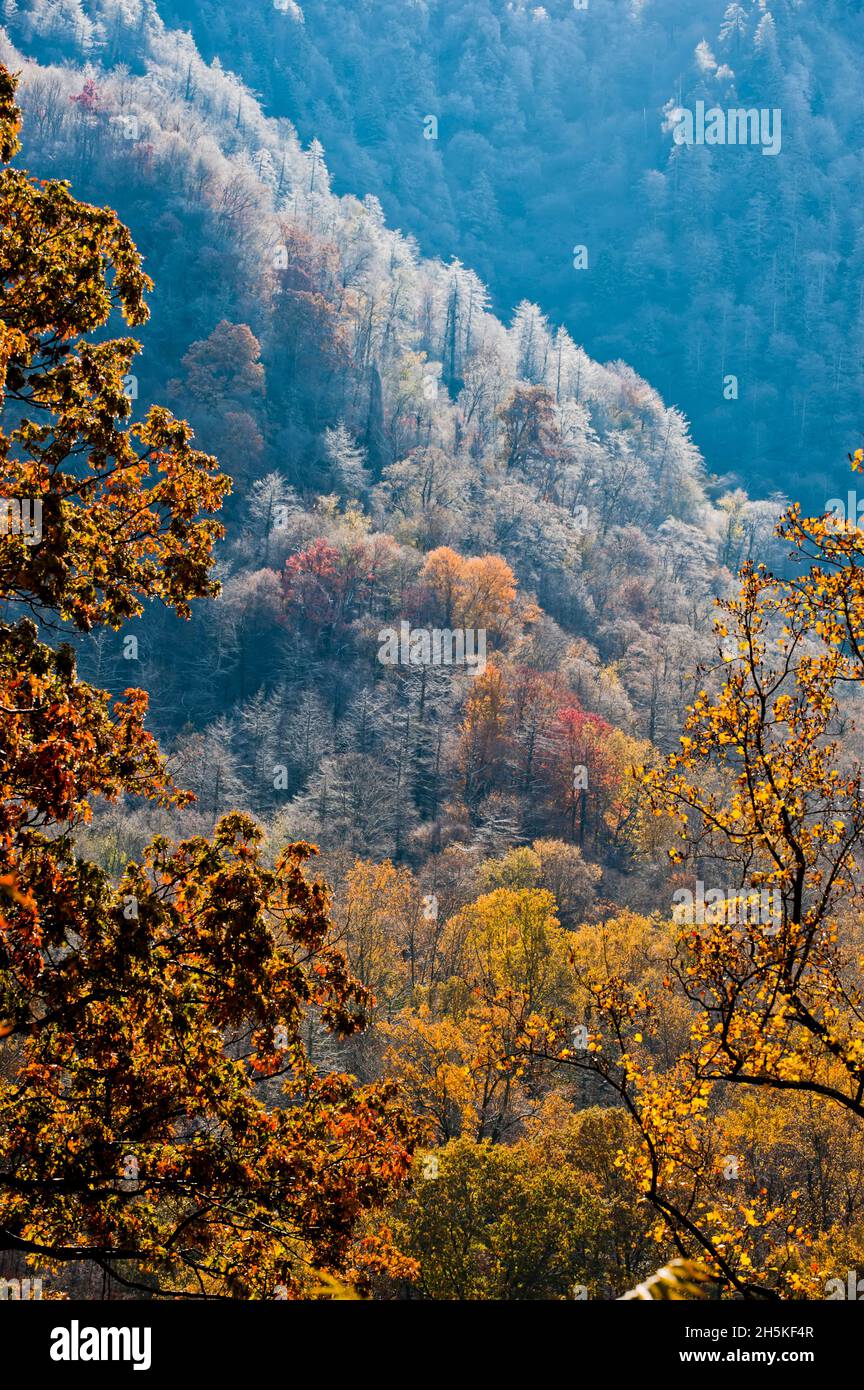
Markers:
<point>144,1025</point>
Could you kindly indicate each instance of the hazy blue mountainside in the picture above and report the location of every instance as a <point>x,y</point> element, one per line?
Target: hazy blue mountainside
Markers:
<point>703,262</point>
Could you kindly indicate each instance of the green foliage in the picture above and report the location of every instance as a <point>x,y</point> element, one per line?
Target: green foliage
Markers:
<point>543,1218</point>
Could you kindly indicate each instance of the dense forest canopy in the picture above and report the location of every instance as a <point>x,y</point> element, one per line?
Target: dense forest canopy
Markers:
<point>578,951</point>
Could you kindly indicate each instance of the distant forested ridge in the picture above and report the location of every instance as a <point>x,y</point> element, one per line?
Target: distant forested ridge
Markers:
<point>550,134</point>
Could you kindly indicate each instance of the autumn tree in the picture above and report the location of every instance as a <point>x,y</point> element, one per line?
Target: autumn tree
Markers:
<point>502,967</point>
<point>510,943</point>
<point>531,438</point>
<point>380,927</point>
<point>306,338</point>
<point>553,865</point>
<point>767,810</point>
<point>477,592</point>
<point>224,366</point>
<point>450,1063</point>
<point>587,761</point>
<point>145,1023</point>
<point>482,737</point>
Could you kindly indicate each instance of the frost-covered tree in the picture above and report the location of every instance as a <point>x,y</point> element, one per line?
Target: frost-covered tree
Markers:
<point>347,460</point>
<point>735,25</point>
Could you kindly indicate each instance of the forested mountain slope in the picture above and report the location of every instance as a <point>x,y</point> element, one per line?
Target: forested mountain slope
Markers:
<point>505,851</point>
<point>551,133</point>
<point>382,428</point>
